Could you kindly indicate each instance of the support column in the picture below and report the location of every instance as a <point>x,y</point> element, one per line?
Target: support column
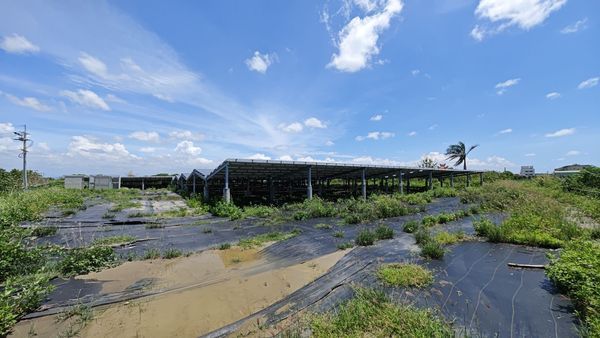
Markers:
<point>226,192</point>
<point>441,182</point>
<point>119,182</point>
<point>452,180</point>
<point>408,185</point>
<point>205,192</point>
<point>430,185</point>
<point>309,191</point>
<point>364,185</point>
<point>481,179</point>
<point>354,186</point>
<point>401,183</point>
<point>143,186</point>
<point>468,180</point>
<point>194,183</point>
<point>321,188</point>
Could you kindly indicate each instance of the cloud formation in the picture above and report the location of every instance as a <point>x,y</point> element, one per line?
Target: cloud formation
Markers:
<point>502,87</point>
<point>357,41</point>
<point>589,83</point>
<point>260,62</point>
<point>562,132</point>
<point>576,27</point>
<point>29,102</point>
<point>376,135</point>
<point>146,136</point>
<point>17,44</point>
<point>86,98</point>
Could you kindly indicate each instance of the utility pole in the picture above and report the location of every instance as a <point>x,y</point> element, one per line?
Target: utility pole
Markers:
<point>22,136</point>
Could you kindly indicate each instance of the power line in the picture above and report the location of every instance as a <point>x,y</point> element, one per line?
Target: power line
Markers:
<point>22,136</point>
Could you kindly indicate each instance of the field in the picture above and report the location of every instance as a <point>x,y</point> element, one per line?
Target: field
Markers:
<point>125,257</point>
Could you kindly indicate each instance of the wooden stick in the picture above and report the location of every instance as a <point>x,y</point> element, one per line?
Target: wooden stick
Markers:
<point>530,266</point>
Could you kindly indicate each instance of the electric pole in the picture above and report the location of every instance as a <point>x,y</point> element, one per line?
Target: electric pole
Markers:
<point>23,137</point>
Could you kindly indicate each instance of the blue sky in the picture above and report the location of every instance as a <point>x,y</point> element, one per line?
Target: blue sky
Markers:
<point>157,86</point>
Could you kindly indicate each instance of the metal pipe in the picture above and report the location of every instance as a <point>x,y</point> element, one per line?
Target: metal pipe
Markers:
<point>364,185</point>
<point>309,190</point>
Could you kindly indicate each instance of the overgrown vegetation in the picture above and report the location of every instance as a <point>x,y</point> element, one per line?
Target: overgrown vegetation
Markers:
<point>44,231</point>
<point>404,275</point>
<point>367,237</point>
<point>114,240</point>
<point>79,261</point>
<point>371,314</point>
<point>576,271</point>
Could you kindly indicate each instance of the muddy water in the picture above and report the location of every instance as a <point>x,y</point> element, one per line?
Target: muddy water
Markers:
<point>203,292</point>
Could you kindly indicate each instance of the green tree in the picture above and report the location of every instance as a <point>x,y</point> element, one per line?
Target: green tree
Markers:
<point>459,153</point>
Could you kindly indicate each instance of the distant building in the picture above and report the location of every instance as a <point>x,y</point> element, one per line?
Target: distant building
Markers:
<point>101,182</point>
<point>571,169</point>
<point>77,182</point>
<point>527,171</point>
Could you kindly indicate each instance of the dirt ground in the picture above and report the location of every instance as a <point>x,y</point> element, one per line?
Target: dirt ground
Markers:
<point>202,292</point>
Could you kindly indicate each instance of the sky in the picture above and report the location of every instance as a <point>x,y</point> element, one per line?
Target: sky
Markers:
<point>148,87</point>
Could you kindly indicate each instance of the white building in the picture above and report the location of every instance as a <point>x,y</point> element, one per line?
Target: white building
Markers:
<point>527,171</point>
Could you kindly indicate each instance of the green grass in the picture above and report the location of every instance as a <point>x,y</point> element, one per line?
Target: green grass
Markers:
<point>152,253</point>
<point>114,240</point>
<point>433,250</point>
<point>345,245</point>
<point>371,314</point>
<point>410,226</point>
<point>259,240</point>
<point>140,214</point>
<point>404,275</point>
<point>576,271</point>
<point>384,232</point>
<point>79,261</point>
<point>338,234</point>
<point>224,246</point>
<point>365,238</point>
<point>207,230</point>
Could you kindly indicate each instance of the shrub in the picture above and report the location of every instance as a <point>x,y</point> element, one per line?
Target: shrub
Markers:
<point>365,238</point>
<point>172,253</point>
<point>577,272</point>
<point>223,209</point>
<point>371,314</point>
<point>446,238</point>
<point>261,211</point>
<point>384,232</point>
<point>411,226</point>
<point>422,236</point>
<point>16,255</point>
<point>338,234</point>
<point>79,261</point>
<point>432,249</point>
<point>429,220</point>
<point>400,274</point>
<point>224,246</point>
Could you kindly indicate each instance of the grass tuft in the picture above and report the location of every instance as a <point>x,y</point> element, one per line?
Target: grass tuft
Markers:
<point>405,275</point>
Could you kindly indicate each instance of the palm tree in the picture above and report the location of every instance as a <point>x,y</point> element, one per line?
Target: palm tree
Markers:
<point>459,153</point>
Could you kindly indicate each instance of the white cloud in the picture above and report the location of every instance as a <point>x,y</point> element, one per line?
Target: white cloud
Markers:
<point>307,159</point>
<point>415,72</point>
<point>93,65</point>
<point>573,153</point>
<point>530,154</point>
<point>259,156</point>
<point>188,148</point>
<point>114,98</point>
<point>86,98</point>
<point>163,97</point>
<point>42,146</point>
<point>18,44</point>
<point>29,102</point>
<point>505,131</point>
<point>589,83</point>
<point>285,158</point>
<point>412,133</point>
<point>314,122</point>
<point>357,41</point>
<point>146,136</point>
<point>366,5</point>
<point>561,132</point>
<point>553,95</point>
<point>576,27</point>
<point>90,148</point>
<point>376,135</point>
<point>6,128</point>
<point>377,117</point>
<point>329,143</point>
<point>294,127</point>
<point>260,62</point>
<point>499,15</point>
<point>503,86</point>
<point>148,149</point>
<point>433,127</point>
<point>186,135</point>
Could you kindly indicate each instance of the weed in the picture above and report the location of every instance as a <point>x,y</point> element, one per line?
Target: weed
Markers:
<point>207,230</point>
<point>446,238</point>
<point>259,240</point>
<point>371,314</point>
<point>338,234</point>
<point>224,246</point>
<point>223,209</point>
<point>171,253</point>
<point>140,214</point>
<point>151,254</point>
<point>108,215</point>
<point>44,231</point>
<point>400,274</point>
<point>79,261</point>
<point>344,246</point>
<point>236,260</point>
<point>384,232</point>
<point>261,211</point>
<point>432,249</point>
<point>114,240</point>
<point>365,238</point>
<point>411,226</point>
<point>323,226</point>
<point>154,226</point>
<point>21,294</point>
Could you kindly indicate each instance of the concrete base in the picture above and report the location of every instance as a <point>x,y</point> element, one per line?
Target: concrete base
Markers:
<point>226,195</point>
